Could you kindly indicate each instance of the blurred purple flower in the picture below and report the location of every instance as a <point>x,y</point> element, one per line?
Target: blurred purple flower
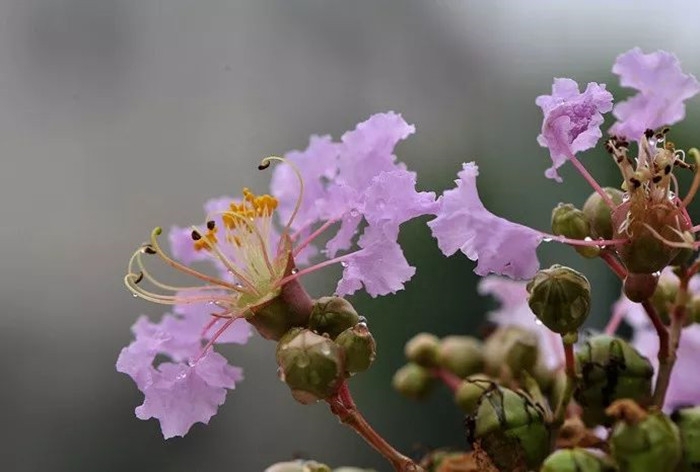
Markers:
<point>662,86</point>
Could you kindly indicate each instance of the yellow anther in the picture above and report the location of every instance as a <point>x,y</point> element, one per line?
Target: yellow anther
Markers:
<point>206,241</point>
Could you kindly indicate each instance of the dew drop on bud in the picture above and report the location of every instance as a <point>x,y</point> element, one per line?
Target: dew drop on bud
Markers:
<point>343,263</point>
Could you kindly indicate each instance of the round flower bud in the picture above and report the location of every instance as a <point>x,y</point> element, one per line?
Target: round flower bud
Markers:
<point>310,364</point>
<point>641,441</point>
<point>599,213</point>
<point>275,317</point>
<point>609,369</point>
<point>359,347</point>
<point>688,422</point>
<point>470,390</point>
<point>423,349</point>
<point>413,381</point>
<point>461,355</point>
<point>510,429</point>
<point>332,316</point>
<point>515,348</point>
<point>298,466</point>
<point>560,297</point>
<point>569,221</point>
<point>639,287</point>
<point>577,460</point>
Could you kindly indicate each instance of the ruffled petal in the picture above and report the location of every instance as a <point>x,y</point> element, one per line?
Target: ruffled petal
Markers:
<point>500,246</point>
<point>182,246</point>
<point>571,120</point>
<point>182,395</point>
<point>380,265</point>
<point>662,86</point>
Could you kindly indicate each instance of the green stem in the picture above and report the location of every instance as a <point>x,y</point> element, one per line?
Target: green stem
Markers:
<point>343,407</point>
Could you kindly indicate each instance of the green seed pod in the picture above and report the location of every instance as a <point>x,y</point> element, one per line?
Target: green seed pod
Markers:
<point>640,287</point>
<point>423,349</point>
<point>298,466</point>
<point>688,421</point>
<point>310,364</point>
<point>461,355</point>
<point>332,316</point>
<point>510,429</point>
<point>599,214</point>
<point>413,381</point>
<point>560,297</point>
<point>470,390</point>
<point>359,347</point>
<point>569,221</point>
<point>642,442</point>
<point>577,460</point>
<point>609,369</point>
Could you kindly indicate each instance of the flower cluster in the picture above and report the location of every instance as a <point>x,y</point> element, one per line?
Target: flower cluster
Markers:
<point>258,247</point>
<point>538,392</point>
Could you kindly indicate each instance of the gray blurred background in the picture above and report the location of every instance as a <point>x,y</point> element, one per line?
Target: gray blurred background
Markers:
<point>120,115</point>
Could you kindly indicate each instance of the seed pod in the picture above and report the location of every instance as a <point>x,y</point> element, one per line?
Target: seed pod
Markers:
<point>498,347</point>
<point>560,297</point>
<point>640,287</point>
<point>413,381</point>
<point>332,316</point>
<point>577,460</point>
<point>461,355</point>
<point>359,347</point>
<point>569,221</point>
<point>599,213</point>
<point>664,296</point>
<point>423,349</point>
<point>688,421</point>
<point>641,441</point>
<point>470,390</point>
<point>510,429</point>
<point>609,369</point>
<point>311,365</point>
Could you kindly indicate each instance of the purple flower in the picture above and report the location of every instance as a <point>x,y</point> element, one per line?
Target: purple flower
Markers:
<point>684,386</point>
<point>500,246</point>
<point>662,86</point>
<point>515,311</point>
<point>571,120</point>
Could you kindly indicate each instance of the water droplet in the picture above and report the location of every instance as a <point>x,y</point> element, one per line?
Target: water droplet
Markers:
<point>238,285</point>
<point>134,295</point>
<point>625,197</point>
<point>326,350</point>
<point>295,271</point>
<point>343,263</point>
<point>538,322</point>
<point>354,213</point>
<point>547,240</point>
<point>280,374</point>
<point>181,376</point>
<point>362,319</point>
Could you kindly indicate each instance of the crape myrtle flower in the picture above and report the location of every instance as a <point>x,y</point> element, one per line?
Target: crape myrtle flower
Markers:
<point>651,225</point>
<point>257,246</point>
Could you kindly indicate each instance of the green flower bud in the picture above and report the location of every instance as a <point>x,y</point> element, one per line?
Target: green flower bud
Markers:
<point>423,349</point>
<point>470,390</point>
<point>599,214</point>
<point>664,296</point>
<point>609,369</point>
<point>274,318</point>
<point>359,347</point>
<point>642,442</point>
<point>461,355</point>
<point>688,422</point>
<point>504,348</point>
<point>569,221</point>
<point>413,381</point>
<point>640,287</point>
<point>577,460</point>
<point>298,466</point>
<point>310,364</point>
<point>332,316</point>
<point>560,297</point>
<point>510,429</point>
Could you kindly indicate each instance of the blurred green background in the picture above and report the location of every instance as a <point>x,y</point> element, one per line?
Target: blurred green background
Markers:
<point>121,115</point>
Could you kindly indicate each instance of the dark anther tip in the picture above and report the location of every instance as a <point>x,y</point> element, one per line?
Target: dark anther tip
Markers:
<point>148,249</point>
<point>264,166</point>
<point>138,278</point>
<point>195,235</point>
<point>211,224</point>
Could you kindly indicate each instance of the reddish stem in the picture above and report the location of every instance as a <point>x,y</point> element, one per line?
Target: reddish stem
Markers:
<point>614,264</point>
<point>447,377</point>
<point>343,407</point>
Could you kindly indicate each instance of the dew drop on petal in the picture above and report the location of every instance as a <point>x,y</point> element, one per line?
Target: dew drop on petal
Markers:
<point>343,263</point>
<point>354,213</point>
<point>547,240</point>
